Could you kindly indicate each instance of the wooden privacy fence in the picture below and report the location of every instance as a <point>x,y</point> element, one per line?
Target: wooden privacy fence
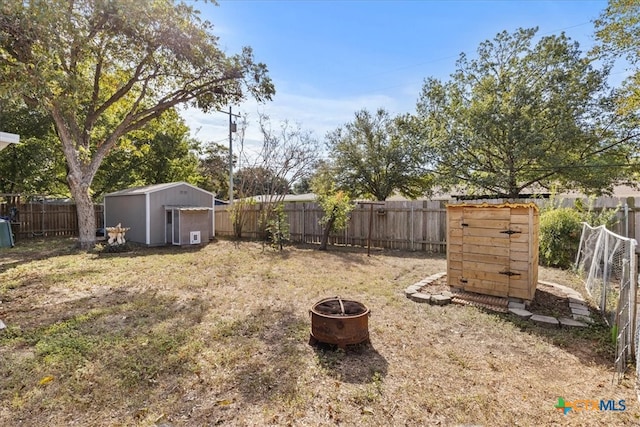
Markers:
<point>406,225</point>
<point>418,225</point>
<point>403,225</point>
<point>37,219</point>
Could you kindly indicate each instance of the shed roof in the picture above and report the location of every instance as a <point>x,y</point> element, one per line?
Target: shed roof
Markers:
<point>7,138</point>
<point>146,189</point>
<point>188,208</point>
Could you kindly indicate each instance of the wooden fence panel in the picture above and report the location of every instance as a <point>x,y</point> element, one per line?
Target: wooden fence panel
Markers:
<point>399,225</point>
<point>405,225</point>
<point>46,219</point>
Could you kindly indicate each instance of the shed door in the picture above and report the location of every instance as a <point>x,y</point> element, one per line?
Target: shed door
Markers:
<point>485,250</point>
<point>168,231</point>
<point>176,227</point>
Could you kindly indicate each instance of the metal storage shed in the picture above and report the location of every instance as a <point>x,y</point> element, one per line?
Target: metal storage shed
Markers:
<point>174,213</point>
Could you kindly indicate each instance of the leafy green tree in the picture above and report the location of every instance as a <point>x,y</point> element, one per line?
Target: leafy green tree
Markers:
<point>302,186</point>
<point>373,158</point>
<point>102,69</point>
<point>36,165</point>
<point>214,169</point>
<point>618,30</point>
<point>521,117</point>
<point>172,152</point>
<point>335,203</point>
<point>160,152</point>
<point>278,228</point>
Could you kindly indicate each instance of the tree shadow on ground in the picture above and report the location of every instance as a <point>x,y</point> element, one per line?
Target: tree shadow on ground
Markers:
<point>29,251</point>
<point>343,254</point>
<point>114,348</point>
<point>359,253</point>
<point>33,283</point>
<point>275,357</point>
<point>34,250</point>
<point>359,363</point>
<point>282,356</point>
<point>132,249</point>
<point>591,344</point>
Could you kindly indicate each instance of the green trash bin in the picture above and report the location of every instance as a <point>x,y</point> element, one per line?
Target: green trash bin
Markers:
<point>6,236</point>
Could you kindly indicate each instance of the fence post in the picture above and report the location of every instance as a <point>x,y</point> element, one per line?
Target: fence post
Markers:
<point>605,276</point>
<point>626,220</point>
<point>411,230</point>
<point>633,282</point>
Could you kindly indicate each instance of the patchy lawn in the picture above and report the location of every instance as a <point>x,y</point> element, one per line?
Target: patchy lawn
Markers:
<point>218,336</point>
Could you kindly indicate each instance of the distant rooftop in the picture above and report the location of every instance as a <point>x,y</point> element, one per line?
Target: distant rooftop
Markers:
<point>8,138</point>
<point>289,198</point>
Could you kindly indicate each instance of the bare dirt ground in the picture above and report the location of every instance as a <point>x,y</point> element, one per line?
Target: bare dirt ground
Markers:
<point>218,335</point>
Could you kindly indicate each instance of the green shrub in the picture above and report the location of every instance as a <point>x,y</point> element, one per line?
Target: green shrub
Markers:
<point>593,217</point>
<point>561,227</point>
<point>560,230</point>
<point>278,228</point>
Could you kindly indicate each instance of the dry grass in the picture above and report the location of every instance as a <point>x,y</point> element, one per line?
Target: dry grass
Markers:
<point>218,336</point>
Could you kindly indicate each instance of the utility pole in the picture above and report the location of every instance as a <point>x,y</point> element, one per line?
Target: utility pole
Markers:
<point>232,128</point>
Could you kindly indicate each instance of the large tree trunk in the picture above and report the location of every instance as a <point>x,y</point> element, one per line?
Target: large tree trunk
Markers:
<point>80,174</point>
<point>86,213</point>
<point>327,230</point>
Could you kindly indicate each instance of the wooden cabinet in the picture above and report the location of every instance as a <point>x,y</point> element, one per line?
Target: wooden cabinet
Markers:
<point>493,249</point>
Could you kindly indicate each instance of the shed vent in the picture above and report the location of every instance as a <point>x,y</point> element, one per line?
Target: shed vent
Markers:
<point>194,237</point>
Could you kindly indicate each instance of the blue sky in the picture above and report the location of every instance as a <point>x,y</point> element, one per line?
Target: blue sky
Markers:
<point>329,59</point>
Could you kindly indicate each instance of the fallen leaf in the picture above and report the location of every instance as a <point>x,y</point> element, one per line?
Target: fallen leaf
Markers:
<point>367,411</point>
<point>46,380</point>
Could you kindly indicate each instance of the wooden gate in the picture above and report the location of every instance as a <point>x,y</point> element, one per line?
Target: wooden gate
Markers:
<point>493,250</point>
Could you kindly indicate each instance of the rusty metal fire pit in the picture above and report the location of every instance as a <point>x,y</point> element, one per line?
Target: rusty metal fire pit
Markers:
<point>339,321</point>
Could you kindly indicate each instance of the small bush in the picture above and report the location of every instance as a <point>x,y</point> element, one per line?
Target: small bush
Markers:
<point>559,237</point>
<point>278,228</point>
<point>560,229</point>
<point>593,217</point>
